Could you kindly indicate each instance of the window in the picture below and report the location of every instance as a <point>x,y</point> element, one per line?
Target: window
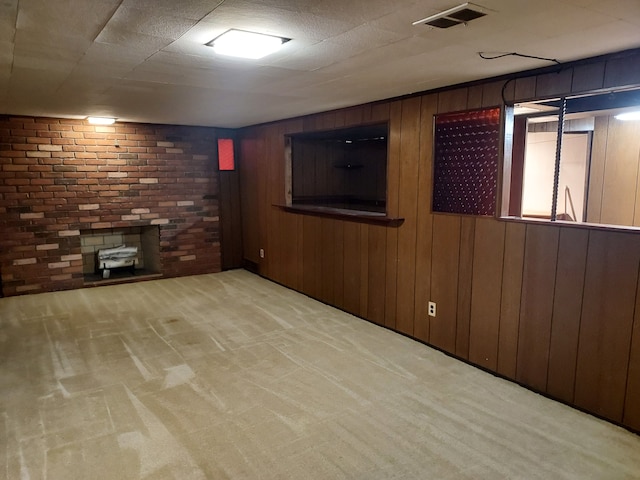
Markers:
<point>340,169</point>
<point>577,159</point>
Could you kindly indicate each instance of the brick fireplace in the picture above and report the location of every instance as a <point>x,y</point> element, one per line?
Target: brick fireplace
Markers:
<point>63,179</point>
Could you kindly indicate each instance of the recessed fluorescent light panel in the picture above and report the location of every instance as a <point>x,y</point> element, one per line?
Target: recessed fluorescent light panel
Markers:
<point>239,43</point>
<point>454,16</point>
<point>101,120</point>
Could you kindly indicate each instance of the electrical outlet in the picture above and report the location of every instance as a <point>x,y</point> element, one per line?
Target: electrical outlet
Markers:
<point>262,253</point>
<point>432,309</point>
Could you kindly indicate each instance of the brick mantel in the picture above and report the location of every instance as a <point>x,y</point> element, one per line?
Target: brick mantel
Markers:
<point>61,176</point>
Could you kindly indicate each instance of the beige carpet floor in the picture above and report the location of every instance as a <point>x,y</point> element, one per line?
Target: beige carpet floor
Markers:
<point>231,376</point>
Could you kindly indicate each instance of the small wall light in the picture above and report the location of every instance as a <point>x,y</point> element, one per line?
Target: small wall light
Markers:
<point>239,43</point>
<point>101,120</point>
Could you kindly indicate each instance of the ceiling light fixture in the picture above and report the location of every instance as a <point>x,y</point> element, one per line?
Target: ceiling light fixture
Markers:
<point>454,16</point>
<point>101,120</point>
<point>240,43</point>
<point>628,116</point>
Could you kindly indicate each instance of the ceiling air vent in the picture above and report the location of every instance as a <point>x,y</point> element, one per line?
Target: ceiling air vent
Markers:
<point>454,16</point>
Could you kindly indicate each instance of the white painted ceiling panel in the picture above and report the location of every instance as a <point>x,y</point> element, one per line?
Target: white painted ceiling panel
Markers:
<point>145,60</point>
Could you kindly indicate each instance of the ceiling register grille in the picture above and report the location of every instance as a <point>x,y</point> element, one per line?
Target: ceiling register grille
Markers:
<point>454,16</point>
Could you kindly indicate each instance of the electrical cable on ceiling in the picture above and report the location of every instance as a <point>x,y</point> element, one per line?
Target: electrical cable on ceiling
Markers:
<point>486,56</point>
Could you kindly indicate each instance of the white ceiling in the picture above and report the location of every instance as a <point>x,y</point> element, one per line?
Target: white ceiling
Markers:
<point>145,60</point>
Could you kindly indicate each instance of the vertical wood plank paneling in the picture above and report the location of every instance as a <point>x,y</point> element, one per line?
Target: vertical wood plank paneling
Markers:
<point>623,70</point>
<point>567,307</point>
<point>474,97</point>
<point>299,259</point>
<point>606,323</point>
<point>377,273</point>
<point>364,271</point>
<point>327,121</point>
<point>354,116</point>
<point>510,298</point>
<point>408,207</point>
<point>596,171</point>
<point>452,100</point>
<point>632,140</point>
<point>288,239</point>
<point>538,285</point>
<point>393,197</point>
<point>631,415</point>
<point>274,160</point>
<point>588,77</point>
<point>425,220</point>
<point>556,83</point>
<point>338,265</point>
<point>264,204</point>
<point>488,266</point>
<point>492,94</point>
<point>226,219</point>
<point>311,247</point>
<point>274,255</point>
<point>510,90</point>
<point>288,251</point>
<point>620,173</point>
<point>444,281</point>
<point>525,88</point>
<point>380,112</point>
<point>328,254</point>
<point>352,272</point>
<point>367,113</point>
<point>250,202</point>
<point>518,149</point>
<point>465,271</point>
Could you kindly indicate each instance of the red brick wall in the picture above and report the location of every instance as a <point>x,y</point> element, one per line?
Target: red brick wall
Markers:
<point>58,177</point>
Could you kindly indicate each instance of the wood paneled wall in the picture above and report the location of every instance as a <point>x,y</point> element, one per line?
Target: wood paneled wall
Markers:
<point>614,190</point>
<point>550,306</point>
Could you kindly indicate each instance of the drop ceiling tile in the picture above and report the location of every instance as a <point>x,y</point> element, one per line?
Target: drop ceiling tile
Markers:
<point>366,36</point>
<point>26,81</point>
<point>168,58</point>
<point>362,62</point>
<point>299,6</point>
<point>64,18</point>
<point>134,41</point>
<point>510,39</point>
<point>613,36</point>
<point>628,10</point>
<point>6,54</point>
<point>8,16</point>
<point>192,9</point>
<point>581,3</point>
<point>150,23</point>
<point>274,21</point>
<point>311,57</point>
<point>357,12</point>
<point>565,19</point>
<point>113,55</point>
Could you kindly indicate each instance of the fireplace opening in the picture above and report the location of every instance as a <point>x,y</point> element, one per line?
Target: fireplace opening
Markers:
<point>120,254</point>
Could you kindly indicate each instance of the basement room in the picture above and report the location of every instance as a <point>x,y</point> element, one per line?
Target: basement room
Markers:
<point>278,239</point>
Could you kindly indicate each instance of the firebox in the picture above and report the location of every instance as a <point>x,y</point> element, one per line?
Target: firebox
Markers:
<point>119,253</point>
